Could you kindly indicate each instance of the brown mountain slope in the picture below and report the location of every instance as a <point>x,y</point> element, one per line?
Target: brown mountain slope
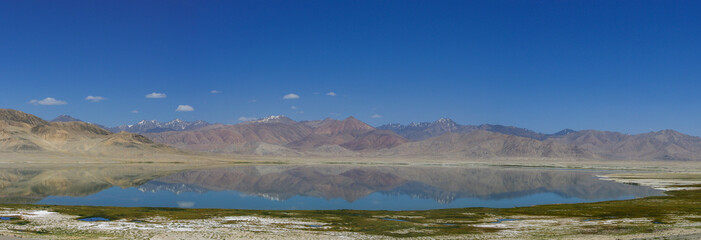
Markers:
<point>661,145</point>
<point>374,140</point>
<point>21,132</point>
<point>484,144</point>
<point>240,138</point>
<point>282,135</point>
<point>350,133</point>
<point>349,126</point>
<point>10,116</point>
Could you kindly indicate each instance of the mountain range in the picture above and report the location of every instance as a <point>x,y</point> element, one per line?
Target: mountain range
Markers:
<point>22,132</point>
<point>282,136</point>
<point>424,130</point>
<point>279,135</point>
<point>154,126</point>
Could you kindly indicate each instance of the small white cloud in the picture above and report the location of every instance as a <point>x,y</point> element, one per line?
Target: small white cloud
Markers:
<point>95,98</point>
<point>48,101</point>
<point>184,108</point>
<point>293,107</point>
<point>215,91</point>
<point>291,96</point>
<point>134,111</point>
<point>253,100</point>
<point>333,94</point>
<point>246,119</point>
<point>156,95</point>
<point>376,116</point>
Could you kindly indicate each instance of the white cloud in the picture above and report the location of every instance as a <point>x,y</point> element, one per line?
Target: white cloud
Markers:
<point>215,91</point>
<point>185,108</point>
<point>253,100</point>
<point>376,116</point>
<point>291,96</point>
<point>156,95</point>
<point>246,119</point>
<point>333,94</point>
<point>95,98</point>
<point>293,107</point>
<point>134,111</point>
<point>48,101</point>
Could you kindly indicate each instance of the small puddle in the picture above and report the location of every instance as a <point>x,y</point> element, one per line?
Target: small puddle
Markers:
<point>505,220</point>
<point>315,226</point>
<point>590,220</point>
<point>8,218</point>
<point>93,219</point>
<point>394,219</point>
<point>449,224</point>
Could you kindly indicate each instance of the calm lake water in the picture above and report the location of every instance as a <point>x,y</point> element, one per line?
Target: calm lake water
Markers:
<point>350,187</point>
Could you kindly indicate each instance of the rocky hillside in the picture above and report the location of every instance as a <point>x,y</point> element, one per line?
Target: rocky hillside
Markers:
<point>21,132</point>
<point>485,144</point>
<point>279,135</point>
<point>660,145</point>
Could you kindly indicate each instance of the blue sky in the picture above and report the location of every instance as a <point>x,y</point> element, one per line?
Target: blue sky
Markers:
<point>629,66</point>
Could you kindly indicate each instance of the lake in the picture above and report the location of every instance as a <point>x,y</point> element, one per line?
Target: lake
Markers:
<point>283,187</point>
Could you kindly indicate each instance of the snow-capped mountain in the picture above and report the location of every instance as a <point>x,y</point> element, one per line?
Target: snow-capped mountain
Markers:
<point>273,119</point>
<point>423,130</point>
<point>153,126</point>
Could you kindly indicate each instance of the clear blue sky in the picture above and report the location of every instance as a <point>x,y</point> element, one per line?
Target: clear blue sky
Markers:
<point>629,66</point>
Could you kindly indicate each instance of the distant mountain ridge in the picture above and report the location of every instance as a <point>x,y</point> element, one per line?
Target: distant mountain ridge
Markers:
<point>446,138</point>
<point>154,126</point>
<point>486,144</point>
<point>660,145</point>
<point>425,130</point>
<point>280,135</point>
<point>350,137</point>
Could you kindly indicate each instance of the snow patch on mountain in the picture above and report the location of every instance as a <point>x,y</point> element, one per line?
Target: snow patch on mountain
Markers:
<point>150,126</point>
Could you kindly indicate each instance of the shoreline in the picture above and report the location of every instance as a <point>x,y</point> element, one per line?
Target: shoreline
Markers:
<point>676,214</point>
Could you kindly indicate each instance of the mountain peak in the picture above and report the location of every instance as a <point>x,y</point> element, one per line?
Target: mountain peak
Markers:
<point>563,132</point>
<point>444,120</point>
<point>18,116</point>
<point>273,119</point>
<point>151,126</point>
<point>65,118</point>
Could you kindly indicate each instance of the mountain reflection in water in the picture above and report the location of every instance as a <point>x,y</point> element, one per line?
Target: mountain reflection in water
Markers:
<point>352,187</point>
